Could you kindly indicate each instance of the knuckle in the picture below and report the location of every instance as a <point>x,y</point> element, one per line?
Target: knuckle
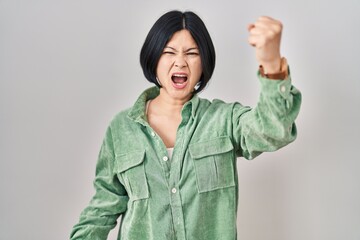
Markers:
<point>281,25</point>
<point>262,41</point>
<point>277,29</point>
<point>271,34</point>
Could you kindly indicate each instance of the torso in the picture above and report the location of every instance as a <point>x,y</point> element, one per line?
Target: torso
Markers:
<point>164,125</point>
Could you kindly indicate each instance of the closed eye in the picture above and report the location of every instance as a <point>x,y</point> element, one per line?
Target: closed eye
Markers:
<point>192,53</point>
<point>168,52</point>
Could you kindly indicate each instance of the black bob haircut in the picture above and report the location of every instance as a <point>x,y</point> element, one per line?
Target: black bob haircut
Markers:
<point>160,34</point>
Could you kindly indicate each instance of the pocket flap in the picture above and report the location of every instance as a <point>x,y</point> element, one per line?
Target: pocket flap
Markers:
<point>211,147</point>
<point>129,160</point>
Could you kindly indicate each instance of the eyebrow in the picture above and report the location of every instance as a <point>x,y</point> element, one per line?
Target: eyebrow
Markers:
<point>189,49</point>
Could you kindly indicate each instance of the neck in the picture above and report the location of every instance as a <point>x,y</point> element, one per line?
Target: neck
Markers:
<point>166,105</point>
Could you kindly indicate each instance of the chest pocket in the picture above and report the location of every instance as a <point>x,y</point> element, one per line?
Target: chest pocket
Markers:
<point>130,167</point>
<point>214,164</point>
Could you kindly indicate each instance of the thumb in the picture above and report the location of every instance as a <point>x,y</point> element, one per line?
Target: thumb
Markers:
<point>250,26</point>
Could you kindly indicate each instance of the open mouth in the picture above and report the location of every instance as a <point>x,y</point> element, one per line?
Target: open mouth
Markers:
<point>179,79</point>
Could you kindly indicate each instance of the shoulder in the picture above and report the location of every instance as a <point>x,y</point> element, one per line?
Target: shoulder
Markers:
<point>121,122</point>
<point>217,105</point>
<point>120,116</point>
<point>220,112</point>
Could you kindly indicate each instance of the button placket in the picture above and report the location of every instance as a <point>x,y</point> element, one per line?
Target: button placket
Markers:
<point>283,89</point>
<point>175,169</point>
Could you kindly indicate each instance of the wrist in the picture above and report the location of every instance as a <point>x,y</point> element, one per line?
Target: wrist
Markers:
<point>272,67</point>
<point>280,74</point>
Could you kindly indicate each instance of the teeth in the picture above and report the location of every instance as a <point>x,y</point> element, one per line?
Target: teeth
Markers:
<point>179,75</point>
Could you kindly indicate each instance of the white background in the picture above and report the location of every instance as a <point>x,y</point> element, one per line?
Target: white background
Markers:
<point>67,67</point>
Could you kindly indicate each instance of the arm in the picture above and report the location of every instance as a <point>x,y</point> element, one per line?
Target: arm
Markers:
<point>109,201</point>
<point>270,125</point>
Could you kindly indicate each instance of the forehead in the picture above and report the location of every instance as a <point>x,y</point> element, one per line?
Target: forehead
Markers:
<point>182,38</point>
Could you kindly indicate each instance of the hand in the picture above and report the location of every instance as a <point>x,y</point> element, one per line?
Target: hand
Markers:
<point>265,36</point>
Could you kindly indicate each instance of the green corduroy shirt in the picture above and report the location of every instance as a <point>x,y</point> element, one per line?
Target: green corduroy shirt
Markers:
<point>194,194</point>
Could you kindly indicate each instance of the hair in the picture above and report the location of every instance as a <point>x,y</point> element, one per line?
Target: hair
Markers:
<point>160,34</point>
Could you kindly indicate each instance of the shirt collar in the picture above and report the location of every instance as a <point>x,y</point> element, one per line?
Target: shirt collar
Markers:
<point>137,112</point>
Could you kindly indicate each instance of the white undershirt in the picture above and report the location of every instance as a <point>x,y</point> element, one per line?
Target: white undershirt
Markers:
<point>169,150</point>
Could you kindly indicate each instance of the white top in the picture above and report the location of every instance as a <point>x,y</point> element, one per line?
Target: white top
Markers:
<point>170,152</point>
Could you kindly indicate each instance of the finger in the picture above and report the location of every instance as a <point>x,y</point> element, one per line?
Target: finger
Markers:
<point>250,26</point>
<point>269,24</point>
<point>262,20</point>
<point>256,30</point>
<point>259,24</point>
<point>261,28</point>
<point>252,42</point>
<point>267,19</point>
<point>268,30</point>
<point>263,25</point>
<point>256,41</point>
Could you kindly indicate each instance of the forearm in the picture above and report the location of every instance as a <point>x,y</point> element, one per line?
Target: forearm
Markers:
<point>110,199</point>
<point>270,125</point>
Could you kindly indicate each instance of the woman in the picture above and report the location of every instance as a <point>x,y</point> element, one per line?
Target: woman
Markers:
<point>168,164</point>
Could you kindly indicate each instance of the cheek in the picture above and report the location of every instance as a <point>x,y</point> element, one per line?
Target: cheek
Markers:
<point>160,68</point>
<point>198,67</point>
<point>163,66</point>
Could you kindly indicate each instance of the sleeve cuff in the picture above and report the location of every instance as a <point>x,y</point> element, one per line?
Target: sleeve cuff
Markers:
<point>281,75</point>
<point>271,87</point>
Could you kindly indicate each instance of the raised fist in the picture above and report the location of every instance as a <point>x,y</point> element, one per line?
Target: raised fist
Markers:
<point>265,36</point>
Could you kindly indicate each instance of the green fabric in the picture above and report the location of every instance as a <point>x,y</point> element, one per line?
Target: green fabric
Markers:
<point>194,195</point>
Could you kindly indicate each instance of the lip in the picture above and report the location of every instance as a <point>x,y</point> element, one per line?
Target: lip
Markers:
<point>179,86</point>
<point>179,73</point>
<point>182,85</point>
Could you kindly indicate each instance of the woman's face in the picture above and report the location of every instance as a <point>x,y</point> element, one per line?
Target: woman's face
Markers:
<point>179,68</point>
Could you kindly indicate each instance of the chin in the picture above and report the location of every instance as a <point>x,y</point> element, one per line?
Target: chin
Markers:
<point>180,94</point>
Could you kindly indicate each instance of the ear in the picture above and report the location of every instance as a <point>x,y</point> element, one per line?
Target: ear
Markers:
<point>197,85</point>
<point>157,79</point>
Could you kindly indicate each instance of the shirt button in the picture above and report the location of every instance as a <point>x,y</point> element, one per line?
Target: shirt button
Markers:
<point>165,158</point>
<point>283,89</point>
<point>153,134</point>
<point>173,190</point>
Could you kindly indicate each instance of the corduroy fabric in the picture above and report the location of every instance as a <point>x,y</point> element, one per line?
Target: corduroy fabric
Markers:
<point>194,196</point>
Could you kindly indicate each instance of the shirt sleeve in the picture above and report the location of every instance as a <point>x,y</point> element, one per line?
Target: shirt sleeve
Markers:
<point>271,124</point>
<point>108,203</point>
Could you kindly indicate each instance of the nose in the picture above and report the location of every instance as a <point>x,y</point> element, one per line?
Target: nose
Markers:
<point>180,62</point>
